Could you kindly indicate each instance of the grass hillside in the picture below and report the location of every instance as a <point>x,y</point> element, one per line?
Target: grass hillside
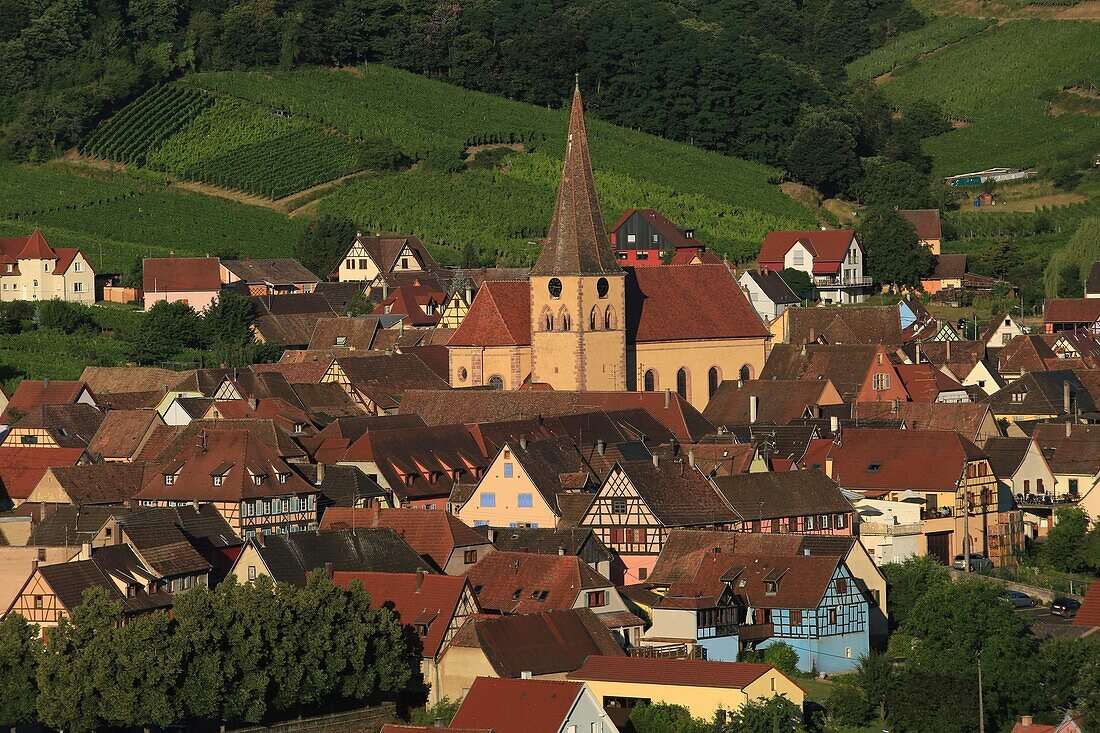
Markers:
<point>997,81</point>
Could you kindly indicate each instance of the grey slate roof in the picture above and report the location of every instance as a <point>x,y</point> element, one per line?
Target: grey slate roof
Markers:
<point>782,494</point>
<point>290,558</point>
<point>774,287</point>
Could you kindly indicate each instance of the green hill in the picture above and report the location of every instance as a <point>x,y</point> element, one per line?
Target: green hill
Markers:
<point>460,191</point>
<point>996,81</point>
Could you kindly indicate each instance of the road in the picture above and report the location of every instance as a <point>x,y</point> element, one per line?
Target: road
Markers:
<point>1045,625</point>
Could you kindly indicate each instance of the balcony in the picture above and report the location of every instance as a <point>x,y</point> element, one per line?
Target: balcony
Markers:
<point>1044,501</point>
<point>668,651</point>
<point>832,281</point>
<point>941,513</point>
<point>756,632</point>
<point>881,529</point>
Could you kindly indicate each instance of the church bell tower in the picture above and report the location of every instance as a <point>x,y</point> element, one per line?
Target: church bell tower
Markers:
<point>578,298</point>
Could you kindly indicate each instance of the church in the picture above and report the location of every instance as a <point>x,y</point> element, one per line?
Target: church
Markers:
<point>581,322</point>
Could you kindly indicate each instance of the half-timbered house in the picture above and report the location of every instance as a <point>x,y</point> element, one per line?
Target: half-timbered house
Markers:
<point>377,383</point>
<point>801,502</point>
<point>639,502</point>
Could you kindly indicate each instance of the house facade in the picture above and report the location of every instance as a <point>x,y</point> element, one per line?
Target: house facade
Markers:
<point>768,292</point>
<point>368,257</point>
<point>642,238</point>
<point>30,269</point>
<point>195,281</point>
<point>834,260</point>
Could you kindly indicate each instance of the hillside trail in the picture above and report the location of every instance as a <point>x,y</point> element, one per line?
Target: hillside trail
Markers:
<point>300,203</point>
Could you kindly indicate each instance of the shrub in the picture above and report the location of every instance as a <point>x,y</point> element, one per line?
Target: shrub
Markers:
<point>783,657</point>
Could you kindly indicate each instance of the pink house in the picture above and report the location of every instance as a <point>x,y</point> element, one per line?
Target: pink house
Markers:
<point>195,281</point>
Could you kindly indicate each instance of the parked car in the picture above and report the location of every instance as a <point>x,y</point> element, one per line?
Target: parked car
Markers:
<point>1065,607</point>
<point>1018,599</point>
<point>978,561</point>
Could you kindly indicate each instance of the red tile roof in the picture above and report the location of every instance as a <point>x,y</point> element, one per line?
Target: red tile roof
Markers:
<point>173,274</point>
<point>710,304</point>
<point>517,706</point>
<point>1089,613</point>
<point>33,393</point>
<point>690,255</point>
<point>412,301</point>
<point>866,458</point>
<point>514,582</point>
<point>924,382</point>
<point>433,534</point>
<point>679,672</point>
<point>35,248</point>
<point>417,599</point>
<point>826,246</point>
<point>1071,310</point>
<point>499,316</point>
<point>925,221</point>
<point>22,468</point>
<point>672,233</point>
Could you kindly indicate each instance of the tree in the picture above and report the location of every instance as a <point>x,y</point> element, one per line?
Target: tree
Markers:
<point>926,118</point>
<point>772,715</point>
<point>1065,545</point>
<point>797,280</point>
<point>1062,660</point>
<point>228,319</point>
<point>895,255</point>
<point>1088,695</point>
<point>823,154</point>
<point>144,673</point>
<point>893,184</point>
<point>166,329</point>
<point>359,305</point>
<point>907,582</point>
<point>932,703</point>
<point>1090,550</point>
<point>19,652</point>
<point>848,706</point>
<point>665,718</point>
<point>323,243</point>
<point>782,656</point>
<point>875,676</point>
<point>59,315</point>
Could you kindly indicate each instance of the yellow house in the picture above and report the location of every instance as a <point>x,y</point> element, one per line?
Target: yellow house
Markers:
<point>369,257</point>
<point>30,269</point>
<point>701,686</point>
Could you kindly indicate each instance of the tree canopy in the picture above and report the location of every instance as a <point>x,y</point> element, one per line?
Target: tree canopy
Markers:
<point>895,255</point>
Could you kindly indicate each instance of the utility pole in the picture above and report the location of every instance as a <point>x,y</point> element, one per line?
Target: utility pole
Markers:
<point>981,700</point>
<point>966,529</point>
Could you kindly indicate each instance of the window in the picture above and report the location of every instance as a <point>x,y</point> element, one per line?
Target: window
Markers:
<point>78,287</point>
<point>258,479</point>
<point>796,617</point>
<point>823,521</point>
<point>1017,396</point>
<point>341,340</point>
<point>488,499</point>
<point>643,255</point>
<point>404,263</point>
<point>842,585</point>
<point>809,522</point>
<point>592,319</point>
<point>880,382</point>
<point>217,480</point>
<point>797,257</point>
<point>713,380</point>
<point>745,374</point>
<point>169,479</point>
<point>643,573</point>
<point>469,557</point>
<point>462,374</point>
<point>1039,486</point>
<point>602,287</point>
<point>28,439</point>
<point>78,267</point>
<point>45,267</point>
<point>682,383</point>
<point>771,587</point>
<point>1073,486</point>
<point>566,322</point>
<point>554,288</point>
<point>596,599</point>
<point>609,320</point>
<point>656,239</point>
<point>38,601</point>
<point>42,550</point>
<point>618,506</point>
<point>631,238</point>
<point>364,264</point>
<point>832,616</point>
<point>841,521</point>
<point>251,572</point>
<point>496,382</point>
<point>351,264</point>
<point>650,381</point>
<point>507,470</point>
<point>524,501</point>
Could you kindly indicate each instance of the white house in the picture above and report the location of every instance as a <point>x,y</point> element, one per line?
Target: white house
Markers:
<point>30,269</point>
<point>833,258</point>
<point>768,292</point>
<point>534,706</point>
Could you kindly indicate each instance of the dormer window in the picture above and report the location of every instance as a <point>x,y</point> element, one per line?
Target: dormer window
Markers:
<point>258,479</point>
<point>874,467</point>
<point>283,477</point>
<point>341,340</point>
<point>218,480</point>
<point>169,479</point>
<point>422,629</point>
<point>771,587</point>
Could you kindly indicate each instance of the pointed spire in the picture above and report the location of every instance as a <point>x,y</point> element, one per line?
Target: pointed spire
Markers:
<point>36,248</point>
<point>577,243</point>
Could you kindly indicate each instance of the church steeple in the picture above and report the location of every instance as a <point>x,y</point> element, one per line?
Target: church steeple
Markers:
<point>577,243</point>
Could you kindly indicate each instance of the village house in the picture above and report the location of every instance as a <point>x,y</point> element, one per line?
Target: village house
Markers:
<point>860,373</point>
<point>890,530</point>
<point>833,259</point>
<point>194,281</point>
<point>546,645</point>
<point>644,237</point>
<point>54,426</point>
<point>873,325</point>
<point>377,382</point>
<point>531,706</point>
<point>967,362</point>
<point>768,292</point>
<point>1071,454</point>
<point>371,256</point>
<point>123,433</point>
<point>419,306</point>
<point>1002,328</point>
<point>33,393</point>
<point>949,274</point>
<point>973,420</point>
<point>703,687</point>
<point>433,607</point>
<point>284,276</point>
<point>30,269</point>
<point>1069,314</point>
<point>776,401</point>
<point>1050,395</point>
<point>22,467</point>
<point>927,224</point>
<point>799,502</point>
<point>579,542</point>
<point>594,326</point>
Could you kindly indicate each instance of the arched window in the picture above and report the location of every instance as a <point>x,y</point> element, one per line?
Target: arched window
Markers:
<point>682,383</point>
<point>496,382</point>
<point>564,320</point>
<point>714,378</point>
<point>609,320</point>
<point>593,319</point>
<point>650,381</point>
<point>745,374</point>
<point>602,287</point>
<point>547,320</point>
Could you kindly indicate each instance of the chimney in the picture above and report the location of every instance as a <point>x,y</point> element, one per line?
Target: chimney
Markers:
<point>918,353</point>
<point>328,569</point>
<point>320,474</point>
<point>523,442</point>
<point>419,580</point>
<point>740,383</point>
<point>691,457</point>
<point>894,405</point>
<point>1069,429</point>
<point>385,290</point>
<point>948,349</point>
<point>86,551</point>
<point>34,565</point>
<point>469,294</point>
<point>834,423</point>
<point>253,404</point>
<point>202,439</point>
<point>45,383</point>
<point>754,408</point>
<point>812,338</point>
<point>668,398</point>
<point>815,411</point>
<point>601,446</point>
<point>829,466</point>
<point>1065,396</point>
<point>561,551</point>
<point>260,536</point>
<point>492,535</point>
<point>1025,721</point>
<point>656,460</point>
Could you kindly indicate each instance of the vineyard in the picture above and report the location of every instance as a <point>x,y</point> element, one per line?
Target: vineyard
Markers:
<point>909,47</point>
<point>142,127</point>
<point>38,354</point>
<point>995,81</point>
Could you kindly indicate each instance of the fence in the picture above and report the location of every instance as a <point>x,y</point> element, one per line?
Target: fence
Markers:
<point>362,719</point>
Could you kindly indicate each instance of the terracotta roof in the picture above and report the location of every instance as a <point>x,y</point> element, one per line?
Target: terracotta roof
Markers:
<point>830,245</point>
<point>716,458</point>
<point>22,468</point>
<point>694,255</point>
<point>1069,449</point>
<point>802,579</point>
<point>678,496</point>
<point>964,417</point>
<point>547,540</point>
<point>873,324</point>
<point>174,274</point>
<point>526,582</point>
<point>778,401</point>
<point>121,432</point>
<point>1089,613</point>
<point>1071,310</point>
<point>717,306</point>
<point>384,378</point>
<point>291,557</point>
<point>959,356</point>
<point>673,234</point>
<point>1024,353</point>
<point>577,243</point>
<point>161,544</point>
<point>499,316</point>
<point>394,728</point>
<point>773,286</point>
<point>950,267</point>
<point>518,706</point>
<point>783,494</point>
<point>69,580</point>
<point>866,458</point>
<point>385,249</point>
<point>846,366</point>
<point>32,393</point>
<point>416,598</point>
<point>352,334</point>
<point>925,221</point>
<point>108,483</point>
<point>1043,394</point>
<point>433,534</point>
<point>281,271</point>
<point>412,301</point>
<point>924,382</point>
<point>419,462</point>
<point>70,425</point>
<point>676,672</point>
<point>540,643</point>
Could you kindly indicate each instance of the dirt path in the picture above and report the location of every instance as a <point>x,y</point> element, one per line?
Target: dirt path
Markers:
<point>240,197</point>
<point>1089,10</point>
<point>1032,204</point>
<point>300,203</point>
